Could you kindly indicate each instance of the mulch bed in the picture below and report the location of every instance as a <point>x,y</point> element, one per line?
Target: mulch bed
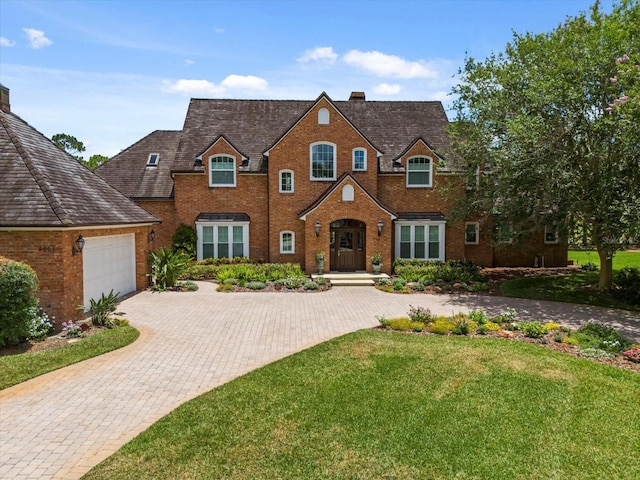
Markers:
<point>55,341</point>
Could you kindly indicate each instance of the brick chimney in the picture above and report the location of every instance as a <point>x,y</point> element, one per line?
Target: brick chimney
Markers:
<point>357,97</point>
<point>4,99</point>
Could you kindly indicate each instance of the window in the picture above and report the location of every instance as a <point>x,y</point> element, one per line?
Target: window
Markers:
<point>347,193</point>
<point>220,240</point>
<point>153,160</point>
<point>550,234</point>
<point>423,240</point>
<point>471,233</point>
<point>222,172</point>
<point>419,172</point>
<point>286,181</point>
<point>323,116</point>
<point>323,161</point>
<point>287,242</point>
<point>359,160</point>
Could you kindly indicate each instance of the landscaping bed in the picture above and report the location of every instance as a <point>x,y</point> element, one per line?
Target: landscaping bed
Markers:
<point>54,341</point>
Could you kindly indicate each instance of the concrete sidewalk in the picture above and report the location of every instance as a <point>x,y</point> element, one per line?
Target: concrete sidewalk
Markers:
<point>63,423</point>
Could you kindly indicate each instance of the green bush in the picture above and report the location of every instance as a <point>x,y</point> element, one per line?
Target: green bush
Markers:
<point>420,314</point>
<point>430,272</point>
<point>294,282</point>
<point>255,285</point>
<point>441,326</point>
<point>167,266</point>
<point>399,284</point>
<point>533,329</point>
<point>478,316</point>
<point>627,285</point>
<point>184,240</point>
<point>41,327</point>
<point>402,324</point>
<point>102,309</point>
<point>18,302</point>
<point>598,335</point>
<point>310,285</point>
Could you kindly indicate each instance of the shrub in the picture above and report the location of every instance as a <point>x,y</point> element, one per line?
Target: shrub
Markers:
<point>321,281</point>
<point>478,316</point>
<point>482,329</point>
<point>533,329</point>
<point>417,286</point>
<point>294,282</point>
<point>384,282</point>
<point>420,314</point>
<point>190,286</point>
<point>102,309</point>
<point>230,281</point>
<point>71,329</point>
<point>383,320</point>
<point>225,287</point>
<point>417,326</point>
<point>604,337</point>
<point>184,240</point>
<point>451,271</point>
<point>570,341</point>
<point>492,326</point>
<point>463,325</point>
<point>627,285</point>
<point>399,284</point>
<point>506,316</point>
<point>595,353</point>
<point>550,326</point>
<point>41,327</point>
<point>255,285</point>
<point>633,355</point>
<point>403,324</point>
<point>120,322</point>
<point>310,285</point>
<point>167,266</point>
<point>18,286</point>
<point>441,326</point>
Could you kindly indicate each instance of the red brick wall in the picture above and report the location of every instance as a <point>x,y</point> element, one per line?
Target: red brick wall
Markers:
<point>523,252</point>
<point>59,272</point>
<point>166,211</point>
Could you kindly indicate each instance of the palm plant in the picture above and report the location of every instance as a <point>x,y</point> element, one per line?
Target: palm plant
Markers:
<point>167,266</point>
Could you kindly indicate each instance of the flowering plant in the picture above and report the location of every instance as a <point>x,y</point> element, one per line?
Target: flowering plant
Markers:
<point>71,329</point>
<point>633,355</point>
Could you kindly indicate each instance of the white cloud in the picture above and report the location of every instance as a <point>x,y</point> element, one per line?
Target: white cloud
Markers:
<point>385,65</point>
<point>387,89</point>
<point>36,38</point>
<point>210,89</point>
<point>218,30</point>
<point>188,61</point>
<point>442,96</point>
<point>5,42</point>
<point>319,54</point>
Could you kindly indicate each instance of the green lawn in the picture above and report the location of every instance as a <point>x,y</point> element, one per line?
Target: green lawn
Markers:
<point>577,287</point>
<point>18,368</point>
<point>373,405</point>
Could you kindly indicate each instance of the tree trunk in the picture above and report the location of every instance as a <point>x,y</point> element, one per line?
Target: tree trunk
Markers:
<point>606,268</point>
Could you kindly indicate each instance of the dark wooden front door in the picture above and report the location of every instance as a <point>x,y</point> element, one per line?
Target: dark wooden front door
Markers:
<point>348,248</point>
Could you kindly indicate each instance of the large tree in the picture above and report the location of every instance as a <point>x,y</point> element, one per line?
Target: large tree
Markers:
<point>541,123</point>
<point>74,147</point>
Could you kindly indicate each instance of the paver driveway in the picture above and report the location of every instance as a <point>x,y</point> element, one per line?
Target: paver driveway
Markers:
<point>63,423</point>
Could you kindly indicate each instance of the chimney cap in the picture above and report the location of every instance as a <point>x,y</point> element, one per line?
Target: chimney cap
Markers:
<point>357,96</point>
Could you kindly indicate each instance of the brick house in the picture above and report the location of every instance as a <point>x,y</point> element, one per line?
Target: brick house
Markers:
<point>80,235</point>
<point>282,180</point>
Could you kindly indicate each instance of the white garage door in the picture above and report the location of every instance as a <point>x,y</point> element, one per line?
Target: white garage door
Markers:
<point>109,264</point>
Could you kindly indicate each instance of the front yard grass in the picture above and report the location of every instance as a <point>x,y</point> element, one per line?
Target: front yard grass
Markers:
<point>578,287</point>
<point>375,404</point>
<point>19,368</point>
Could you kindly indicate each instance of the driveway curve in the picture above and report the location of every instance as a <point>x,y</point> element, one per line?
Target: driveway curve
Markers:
<point>61,424</point>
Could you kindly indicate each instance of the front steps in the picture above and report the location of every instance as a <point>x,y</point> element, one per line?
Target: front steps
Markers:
<point>351,279</point>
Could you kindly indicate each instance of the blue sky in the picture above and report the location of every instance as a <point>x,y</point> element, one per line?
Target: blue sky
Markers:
<point>110,72</point>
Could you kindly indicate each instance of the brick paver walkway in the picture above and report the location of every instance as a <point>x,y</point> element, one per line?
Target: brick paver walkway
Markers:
<point>63,423</point>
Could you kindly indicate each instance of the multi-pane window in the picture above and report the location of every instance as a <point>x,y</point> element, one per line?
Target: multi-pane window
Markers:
<point>220,241</point>
<point>222,172</point>
<point>287,242</point>
<point>286,181</point>
<point>419,172</point>
<point>323,161</point>
<point>359,159</point>
<point>471,231</point>
<point>550,234</point>
<point>424,241</point>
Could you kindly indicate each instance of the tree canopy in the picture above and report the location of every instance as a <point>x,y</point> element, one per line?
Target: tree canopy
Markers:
<point>551,124</point>
<point>74,147</point>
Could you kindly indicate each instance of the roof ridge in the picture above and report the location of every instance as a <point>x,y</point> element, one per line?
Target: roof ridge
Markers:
<point>40,177</point>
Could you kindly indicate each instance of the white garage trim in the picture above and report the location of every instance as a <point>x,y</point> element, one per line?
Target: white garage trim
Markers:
<point>109,263</point>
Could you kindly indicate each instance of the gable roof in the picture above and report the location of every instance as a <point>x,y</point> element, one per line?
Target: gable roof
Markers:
<point>128,171</point>
<point>45,187</point>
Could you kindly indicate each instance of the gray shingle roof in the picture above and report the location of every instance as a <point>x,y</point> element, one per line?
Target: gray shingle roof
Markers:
<point>253,126</point>
<point>43,186</point>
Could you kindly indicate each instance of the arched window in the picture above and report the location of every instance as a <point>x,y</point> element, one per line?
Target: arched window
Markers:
<point>286,181</point>
<point>323,116</point>
<point>323,161</point>
<point>359,159</point>
<point>287,242</point>
<point>347,193</point>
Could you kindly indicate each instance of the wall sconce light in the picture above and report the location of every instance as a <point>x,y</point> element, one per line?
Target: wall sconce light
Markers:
<point>380,225</point>
<point>317,229</point>
<point>152,235</point>
<point>77,246</point>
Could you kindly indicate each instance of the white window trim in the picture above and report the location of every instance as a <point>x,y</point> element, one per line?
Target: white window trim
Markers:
<point>428,185</point>
<point>245,237</point>
<point>323,116</point>
<point>353,160</point>
<point>426,224</point>
<point>153,164</point>
<point>293,242</point>
<point>477,229</point>
<point>550,229</point>
<point>335,162</point>
<point>211,184</point>
<point>280,181</point>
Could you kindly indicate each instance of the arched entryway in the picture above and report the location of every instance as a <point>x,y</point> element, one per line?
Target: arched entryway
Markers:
<point>348,245</point>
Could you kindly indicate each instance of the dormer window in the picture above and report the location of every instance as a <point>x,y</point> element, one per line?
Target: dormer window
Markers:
<point>222,171</point>
<point>419,172</point>
<point>153,160</point>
